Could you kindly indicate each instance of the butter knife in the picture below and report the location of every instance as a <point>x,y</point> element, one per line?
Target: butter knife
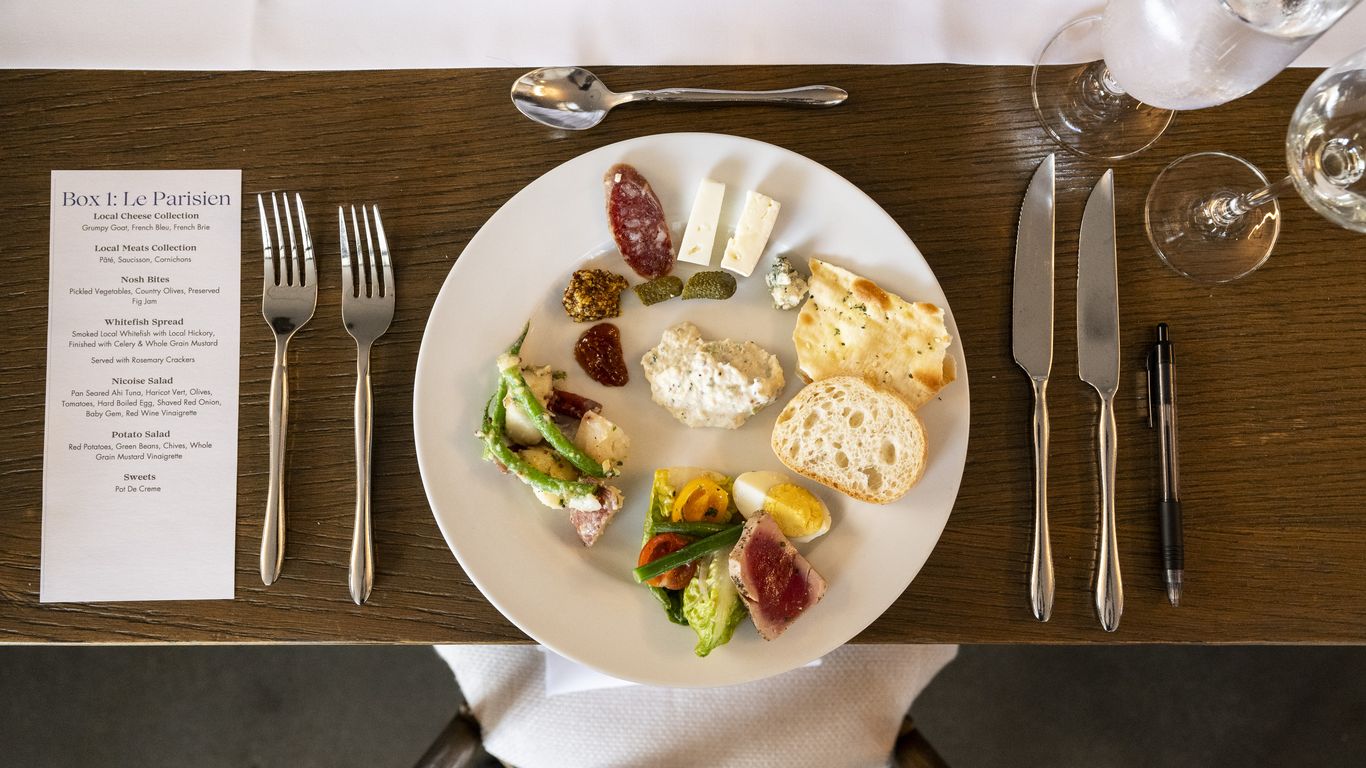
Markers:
<point>1098,365</point>
<point>1031,334</point>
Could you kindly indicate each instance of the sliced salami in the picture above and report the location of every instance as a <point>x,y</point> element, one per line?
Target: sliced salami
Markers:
<point>570,405</point>
<point>637,221</point>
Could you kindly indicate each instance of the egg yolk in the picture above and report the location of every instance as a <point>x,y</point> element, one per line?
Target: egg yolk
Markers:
<point>701,501</point>
<point>796,510</point>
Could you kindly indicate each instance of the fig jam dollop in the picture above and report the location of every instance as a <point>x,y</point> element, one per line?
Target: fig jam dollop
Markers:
<point>599,354</point>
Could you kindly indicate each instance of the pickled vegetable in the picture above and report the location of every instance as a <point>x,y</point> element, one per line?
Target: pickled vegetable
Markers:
<point>659,289</point>
<point>710,285</point>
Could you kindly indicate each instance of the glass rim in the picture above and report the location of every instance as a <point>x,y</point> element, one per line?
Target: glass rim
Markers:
<point>1323,25</point>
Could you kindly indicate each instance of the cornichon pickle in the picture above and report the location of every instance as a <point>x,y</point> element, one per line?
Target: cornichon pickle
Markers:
<point>710,285</point>
<point>659,289</point>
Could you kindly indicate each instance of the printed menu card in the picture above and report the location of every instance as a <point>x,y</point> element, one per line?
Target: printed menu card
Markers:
<point>140,445</point>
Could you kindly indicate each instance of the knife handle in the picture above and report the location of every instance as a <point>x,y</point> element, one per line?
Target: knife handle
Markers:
<point>1109,585</point>
<point>1041,583</point>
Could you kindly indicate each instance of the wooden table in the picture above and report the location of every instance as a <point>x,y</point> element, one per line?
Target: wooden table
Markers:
<point>1272,369</point>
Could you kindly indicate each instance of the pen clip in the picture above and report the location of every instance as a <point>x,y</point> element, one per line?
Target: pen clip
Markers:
<point>1152,388</point>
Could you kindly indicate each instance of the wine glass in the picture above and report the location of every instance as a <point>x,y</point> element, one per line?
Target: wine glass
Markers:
<point>1144,59</point>
<point>1205,228</point>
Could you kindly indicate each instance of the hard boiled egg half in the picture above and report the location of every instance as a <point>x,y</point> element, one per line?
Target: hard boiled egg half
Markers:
<point>798,512</point>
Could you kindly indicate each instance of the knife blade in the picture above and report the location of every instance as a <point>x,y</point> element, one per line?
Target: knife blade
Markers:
<point>1098,365</point>
<point>1032,343</point>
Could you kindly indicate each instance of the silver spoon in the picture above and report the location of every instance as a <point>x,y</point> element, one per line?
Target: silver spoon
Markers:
<point>574,99</point>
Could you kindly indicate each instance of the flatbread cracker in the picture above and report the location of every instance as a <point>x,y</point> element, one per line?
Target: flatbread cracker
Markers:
<point>851,327</point>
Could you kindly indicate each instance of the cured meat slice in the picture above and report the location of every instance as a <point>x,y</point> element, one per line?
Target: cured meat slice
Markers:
<point>590,523</point>
<point>637,221</point>
<point>775,581</point>
<point>570,405</point>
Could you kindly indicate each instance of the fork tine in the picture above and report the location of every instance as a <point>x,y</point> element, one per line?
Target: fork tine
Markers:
<point>310,275</point>
<point>280,238</point>
<point>384,255</point>
<point>265,241</point>
<point>348,285</point>
<point>296,273</point>
<point>360,255</point>
<point>372,264</point>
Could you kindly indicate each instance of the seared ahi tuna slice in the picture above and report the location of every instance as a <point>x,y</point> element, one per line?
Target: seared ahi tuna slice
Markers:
<point>775,581</point>
<point>590,523</point>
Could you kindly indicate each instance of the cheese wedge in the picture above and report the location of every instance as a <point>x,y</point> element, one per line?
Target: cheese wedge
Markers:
<point>751,234</point>
<point>700,235</point>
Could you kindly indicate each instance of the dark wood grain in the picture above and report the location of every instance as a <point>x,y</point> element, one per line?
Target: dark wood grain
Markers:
<point>1273,369</point>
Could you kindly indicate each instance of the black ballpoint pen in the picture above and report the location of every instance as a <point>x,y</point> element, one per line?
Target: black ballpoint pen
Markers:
<point>1162,414</point>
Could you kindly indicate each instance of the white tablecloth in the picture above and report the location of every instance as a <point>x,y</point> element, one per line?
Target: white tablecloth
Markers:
<point>401,34</point>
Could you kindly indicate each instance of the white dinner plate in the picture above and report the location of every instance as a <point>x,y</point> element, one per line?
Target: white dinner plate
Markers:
<point>526,559</point>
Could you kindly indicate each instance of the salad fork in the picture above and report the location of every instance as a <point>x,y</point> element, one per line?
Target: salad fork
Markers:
<point>367,310</point>
<point>287,301</point>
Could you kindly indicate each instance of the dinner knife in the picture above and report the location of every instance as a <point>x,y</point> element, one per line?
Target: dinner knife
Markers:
<point>1098,365</point>
<point>1031,334</point>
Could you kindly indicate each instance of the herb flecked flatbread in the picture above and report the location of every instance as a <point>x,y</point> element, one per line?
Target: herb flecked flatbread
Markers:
<point>851,327</point>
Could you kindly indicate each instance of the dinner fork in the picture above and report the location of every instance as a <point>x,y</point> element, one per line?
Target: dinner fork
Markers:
<point>367,310</point>
<point>287,300</point>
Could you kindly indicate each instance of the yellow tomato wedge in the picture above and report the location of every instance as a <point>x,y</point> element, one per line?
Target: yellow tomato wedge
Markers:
<point>702,500</point>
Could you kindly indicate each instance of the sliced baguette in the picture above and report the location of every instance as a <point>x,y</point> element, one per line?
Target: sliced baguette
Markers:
<point>862,441</point>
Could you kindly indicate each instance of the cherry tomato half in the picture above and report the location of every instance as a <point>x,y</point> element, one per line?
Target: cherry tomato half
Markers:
<point>701,501</point>
<point>662,544</point>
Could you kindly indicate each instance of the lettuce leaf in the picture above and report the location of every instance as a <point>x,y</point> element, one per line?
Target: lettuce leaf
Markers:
<point>661,496</point>
<point>665,484</point>
<point>672,600</point>
<point>712,605</point>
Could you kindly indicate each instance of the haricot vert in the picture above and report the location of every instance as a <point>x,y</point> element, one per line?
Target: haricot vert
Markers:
<point>510,370</point>
<point>492,432</point>
<point>691,552</point>
<point>496,444</point>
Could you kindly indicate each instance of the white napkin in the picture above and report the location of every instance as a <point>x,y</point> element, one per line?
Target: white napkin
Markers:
<point>843,713</point>
<point>404,34</point>
<point>567,676</point>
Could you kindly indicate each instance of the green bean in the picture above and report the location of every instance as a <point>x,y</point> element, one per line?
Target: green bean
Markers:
<point>496,448</point>
<point>512,379</point>
<point>516,348</point>
<point>688,528</point>
<point>522,393</point>
<point>497,445</point>
<point>496,415</point>
<point>688,554</point>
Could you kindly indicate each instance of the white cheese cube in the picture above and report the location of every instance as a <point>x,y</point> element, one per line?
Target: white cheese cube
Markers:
<point>751,234</point>
<point>701,232</point>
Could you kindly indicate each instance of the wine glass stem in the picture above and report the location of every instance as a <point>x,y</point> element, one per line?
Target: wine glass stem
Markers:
<point>1226,209</point>
<point>1109,83</point>
<point>1342,161</point>
<point>1098,89</point>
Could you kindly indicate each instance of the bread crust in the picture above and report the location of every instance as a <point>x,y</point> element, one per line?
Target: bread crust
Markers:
<point>846,417</point>
<point>852,327</point>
